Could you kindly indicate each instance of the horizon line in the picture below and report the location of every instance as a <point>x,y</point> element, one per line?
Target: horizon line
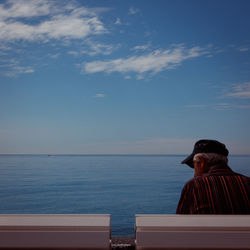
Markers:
<point>93,154</point>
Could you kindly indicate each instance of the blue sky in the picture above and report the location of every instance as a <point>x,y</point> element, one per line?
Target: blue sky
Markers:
<point>122,77</point>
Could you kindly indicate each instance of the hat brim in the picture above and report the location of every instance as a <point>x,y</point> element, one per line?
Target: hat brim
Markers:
<point>189,161</point>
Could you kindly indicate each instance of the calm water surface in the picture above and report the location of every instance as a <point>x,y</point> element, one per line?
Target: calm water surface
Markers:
<point>118,185</point>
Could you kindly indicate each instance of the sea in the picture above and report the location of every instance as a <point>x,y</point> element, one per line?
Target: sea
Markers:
<point>120,185</point>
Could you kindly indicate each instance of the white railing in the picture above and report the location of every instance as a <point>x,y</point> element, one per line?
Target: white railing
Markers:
<point>192,232</point>
<point>151,231</point>
<point>55,231</point>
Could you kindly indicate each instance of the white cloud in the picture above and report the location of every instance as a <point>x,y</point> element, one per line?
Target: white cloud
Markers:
<point>133,11</point>
<point>4,47</point>
<point>118,21</point>
<point>197,106</point>
<point>236,92</point>
<point>42,21</point>
<point>73,53</point>
<point>55,56</point>
<point>99,95</point>
<point>219,106</point>
<point>243,49</point>
<point>153,62</point>
<point>226,106</point>
<point>59,21</point>
<point>94,48</point>
<point>16,70</point>
<point>241,106</point>
<point>24,8</point>
<point>141,47</point>
<point>13,67</point>
<point>241,91</point>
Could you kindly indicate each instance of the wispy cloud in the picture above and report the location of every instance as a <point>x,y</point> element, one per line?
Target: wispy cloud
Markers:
<point>13,68</point>
<point>198,106</point>
<point>18,70</point>
<point>118,21</point>
<point>58,22</point>
<point>153,62</point>
<point>141,47</point>
<point>42,21</point>
<point>55,56</point>
<point>4,47</point>
<point>133,11</point>
<point>93,48</point>
<point>24,8</point>
<point>218,106</point>
<point>74,53</point>
<point>99,95</point>
<point>243,49</point>
<point>241,91</point>
<point>236,96</point>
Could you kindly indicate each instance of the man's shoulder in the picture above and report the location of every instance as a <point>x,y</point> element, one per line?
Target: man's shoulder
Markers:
<point>190,182</point>
<point>225,174</point>
<point>208,176</point>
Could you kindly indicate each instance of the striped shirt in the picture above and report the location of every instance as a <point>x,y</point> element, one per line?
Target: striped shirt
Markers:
<point>220,191</point>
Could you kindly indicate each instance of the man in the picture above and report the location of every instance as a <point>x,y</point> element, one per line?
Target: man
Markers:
<point>215,188</point>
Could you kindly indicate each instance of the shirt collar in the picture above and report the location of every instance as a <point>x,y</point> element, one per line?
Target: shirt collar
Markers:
<point>220,169</point>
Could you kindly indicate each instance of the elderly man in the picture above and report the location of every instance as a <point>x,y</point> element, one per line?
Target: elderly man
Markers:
<point>215,188</point>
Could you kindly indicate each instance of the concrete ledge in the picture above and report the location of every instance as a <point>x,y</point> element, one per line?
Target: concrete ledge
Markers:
<point>55,231</point>
<point>192,232</point>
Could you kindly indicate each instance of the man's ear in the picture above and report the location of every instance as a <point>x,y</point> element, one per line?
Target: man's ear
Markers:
<point>201,162</point>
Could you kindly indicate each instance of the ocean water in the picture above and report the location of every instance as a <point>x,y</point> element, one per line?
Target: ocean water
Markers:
<point>120,185</point>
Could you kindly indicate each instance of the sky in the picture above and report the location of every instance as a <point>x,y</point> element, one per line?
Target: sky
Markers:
<point>123,77</point>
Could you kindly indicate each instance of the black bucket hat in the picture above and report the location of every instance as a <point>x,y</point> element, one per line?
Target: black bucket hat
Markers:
<point>206,146</point>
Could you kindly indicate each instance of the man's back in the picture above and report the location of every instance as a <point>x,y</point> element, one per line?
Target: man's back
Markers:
<point>220,191</point>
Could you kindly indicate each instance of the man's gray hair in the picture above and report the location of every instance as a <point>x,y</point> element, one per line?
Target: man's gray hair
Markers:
<point>212,158</point>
